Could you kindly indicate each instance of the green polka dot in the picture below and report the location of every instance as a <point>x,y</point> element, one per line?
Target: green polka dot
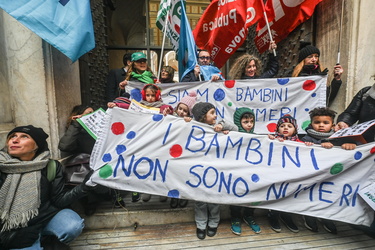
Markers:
<point>305,124</point>
<point>106,171</point>
<point>230,104</point>
<point>255,203</point>
<point>337,168</point>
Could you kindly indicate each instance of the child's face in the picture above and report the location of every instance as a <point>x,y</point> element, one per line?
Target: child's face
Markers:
<point>210,117</point>
<point>247,124</point>
<point>182,110</point>
<point>287,129</point>
<point>322,124</point>
<point>150,95</point>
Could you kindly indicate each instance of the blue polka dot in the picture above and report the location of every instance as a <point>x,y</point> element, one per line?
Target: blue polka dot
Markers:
<point>255,178</point>
<point>313,95</point>
<point>219,95</point>
<point>174,193</point>
<point>282,81</point>
<point>107,157</point>
<point>131,135</point>
<point>307,109</point>
<point>120,149</point>
<point>358,155</point>
<point>157,117</point>
<point>136,94</point>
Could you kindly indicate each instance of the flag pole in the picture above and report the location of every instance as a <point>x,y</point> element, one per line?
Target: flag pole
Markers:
<point>162,46</point>
<point>340,33</point>
<point>268,25</point>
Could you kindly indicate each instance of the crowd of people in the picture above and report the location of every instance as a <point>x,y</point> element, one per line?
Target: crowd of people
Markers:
<point>34,194</point>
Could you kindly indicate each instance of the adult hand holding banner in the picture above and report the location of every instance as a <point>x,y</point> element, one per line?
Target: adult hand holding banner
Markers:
<point>269,98</point>
<point>164,155</point>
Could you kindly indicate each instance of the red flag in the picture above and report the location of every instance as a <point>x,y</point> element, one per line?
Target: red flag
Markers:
<point>224,25</point>
<point>287,16</point>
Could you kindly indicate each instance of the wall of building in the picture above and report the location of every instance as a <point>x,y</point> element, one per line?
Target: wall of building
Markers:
<point>357,53</point>
<point>40,84</point>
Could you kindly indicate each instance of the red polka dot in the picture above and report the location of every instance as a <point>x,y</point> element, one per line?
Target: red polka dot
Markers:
<point>372,151</point>
<point>230,83</point>
<point>271,127</point>
<point>118,128</point>
<point>175,151</point>
<point>309,85</point>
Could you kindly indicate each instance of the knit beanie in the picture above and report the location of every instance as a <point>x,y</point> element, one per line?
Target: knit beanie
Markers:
<point>200,110</point>
<point>189,100</point>
<point>307,49</point>
<point>287,118</point>
<point>38,135</point>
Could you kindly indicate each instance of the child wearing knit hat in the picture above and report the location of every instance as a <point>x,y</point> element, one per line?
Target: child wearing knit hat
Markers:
<point>207,215</point>
<point>286,129</point>
<point>185,106</point>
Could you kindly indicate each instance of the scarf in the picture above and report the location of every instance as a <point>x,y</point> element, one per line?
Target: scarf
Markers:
<point>319,135</point>
<point>156,104</point>
<point>20,192</point>
<point>291,138</point>
<point>145,77</point>
<point>370,92</point>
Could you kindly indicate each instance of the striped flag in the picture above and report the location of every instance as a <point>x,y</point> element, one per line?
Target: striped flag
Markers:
<point>169,18</point>
<point>65,24</point>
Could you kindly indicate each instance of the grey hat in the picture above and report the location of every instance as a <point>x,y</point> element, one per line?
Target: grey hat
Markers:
<point>200,109</point>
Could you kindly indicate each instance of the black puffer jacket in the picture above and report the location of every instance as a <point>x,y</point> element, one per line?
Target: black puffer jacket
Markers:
<point>361,109</point>
<point>76,140</point>
<point>53,199</point>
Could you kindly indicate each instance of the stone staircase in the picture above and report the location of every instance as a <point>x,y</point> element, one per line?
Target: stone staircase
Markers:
<point>134,214</point>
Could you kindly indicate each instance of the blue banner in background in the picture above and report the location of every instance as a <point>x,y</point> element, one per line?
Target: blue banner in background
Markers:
<point>65,24</point>
<point>187,52</point>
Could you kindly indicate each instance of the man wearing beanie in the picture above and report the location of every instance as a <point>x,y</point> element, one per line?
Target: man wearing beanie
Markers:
<point>309,64</point>
<point>33,201</point>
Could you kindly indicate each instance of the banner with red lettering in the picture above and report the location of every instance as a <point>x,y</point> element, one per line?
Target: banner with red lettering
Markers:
<point>224,26</point>
<point>287,16</point>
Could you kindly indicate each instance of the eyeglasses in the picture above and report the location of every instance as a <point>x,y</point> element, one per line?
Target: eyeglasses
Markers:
<point>204,57</point>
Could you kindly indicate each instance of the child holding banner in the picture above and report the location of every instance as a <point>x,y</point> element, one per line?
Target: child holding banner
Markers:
<point>207,215</point>
<point>286,129</point>
<point>245,121</point>
<point>320,128</point>
<point>183,109</point>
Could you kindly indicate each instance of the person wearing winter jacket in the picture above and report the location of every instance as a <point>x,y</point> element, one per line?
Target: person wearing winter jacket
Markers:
<point>33,204</point>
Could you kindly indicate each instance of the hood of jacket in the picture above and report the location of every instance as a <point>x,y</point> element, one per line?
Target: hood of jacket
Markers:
<point>237,119</point>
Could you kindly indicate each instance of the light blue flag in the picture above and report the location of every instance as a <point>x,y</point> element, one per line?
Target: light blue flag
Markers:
<point>187,52</point>
<point>65,24</point>
<point>209,70</point>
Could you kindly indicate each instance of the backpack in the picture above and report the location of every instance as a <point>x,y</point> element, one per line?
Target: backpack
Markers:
<point>51,170</point>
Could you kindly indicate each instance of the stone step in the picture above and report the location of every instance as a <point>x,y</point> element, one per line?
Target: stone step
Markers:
<point>153,212</point>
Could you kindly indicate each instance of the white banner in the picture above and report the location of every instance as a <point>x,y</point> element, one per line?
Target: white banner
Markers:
<point>269,98</point>
<point>164,155</point>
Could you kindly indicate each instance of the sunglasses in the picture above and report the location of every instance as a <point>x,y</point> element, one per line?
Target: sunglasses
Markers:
<point>204,57</point>
<point>141,61</point>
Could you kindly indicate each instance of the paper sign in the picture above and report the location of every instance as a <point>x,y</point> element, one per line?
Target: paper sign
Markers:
<point>368,194</point>
<point>138,107</point>
<point>354,133</point>
<point>91,122</point>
